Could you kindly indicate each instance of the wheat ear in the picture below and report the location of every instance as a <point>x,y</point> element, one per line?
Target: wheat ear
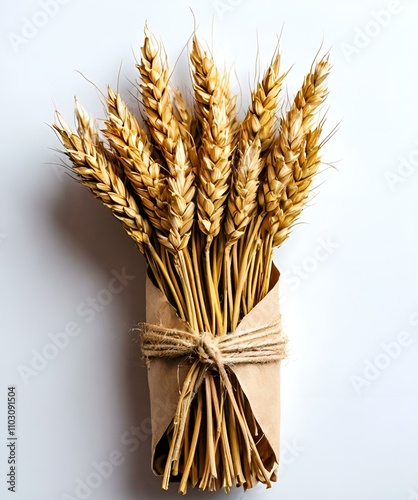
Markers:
<point>260,120</point>
<point>292,206</point>
<point>134,149</point>
<point>97,173</point>
<point>188,126</point>
<point>156,97</point>
<point>242,200</point>
<point>298,138</point>
<point>181,207</point>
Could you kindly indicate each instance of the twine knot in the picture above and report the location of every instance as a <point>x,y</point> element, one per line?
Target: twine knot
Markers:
<point>207,348</point>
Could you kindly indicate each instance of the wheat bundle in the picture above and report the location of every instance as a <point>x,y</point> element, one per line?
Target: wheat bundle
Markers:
<point>206,198</point>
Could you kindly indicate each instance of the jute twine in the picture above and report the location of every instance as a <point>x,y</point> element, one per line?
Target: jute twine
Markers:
<point>264,344</point>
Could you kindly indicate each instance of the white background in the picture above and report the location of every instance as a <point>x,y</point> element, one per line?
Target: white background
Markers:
<point>349,273</point>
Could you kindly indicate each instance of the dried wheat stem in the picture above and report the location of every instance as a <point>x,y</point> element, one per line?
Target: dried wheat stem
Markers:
<point>191,458</point>
<point>244,263</point>
<point>180,219</point>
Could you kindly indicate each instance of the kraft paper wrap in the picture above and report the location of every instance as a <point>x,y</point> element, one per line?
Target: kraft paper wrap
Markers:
<point>260,382</point>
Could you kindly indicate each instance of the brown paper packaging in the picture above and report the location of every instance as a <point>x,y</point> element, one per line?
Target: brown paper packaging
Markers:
<point>260,382</point>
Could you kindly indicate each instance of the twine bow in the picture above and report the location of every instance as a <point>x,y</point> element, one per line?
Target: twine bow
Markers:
<point>265,344</point>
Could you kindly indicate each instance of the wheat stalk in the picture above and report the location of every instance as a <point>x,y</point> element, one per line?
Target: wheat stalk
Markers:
<point>292,165</point>
<point>166,132</point>
<point>241,208</point>
<point>215,106</point>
